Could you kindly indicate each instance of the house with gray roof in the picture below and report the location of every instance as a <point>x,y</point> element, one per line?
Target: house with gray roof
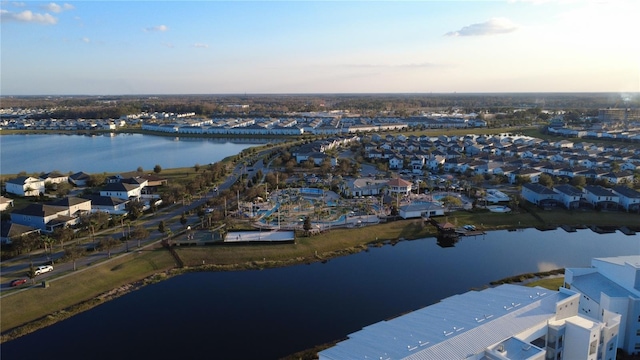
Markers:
<point>570,196</point>
<point>600,198</point>
<point>540,195</point>
<point>25,186</point>
<point>629,198</point>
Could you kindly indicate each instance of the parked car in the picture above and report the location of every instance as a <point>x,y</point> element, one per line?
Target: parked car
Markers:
<point>43,269</point>
<point>18,282</point>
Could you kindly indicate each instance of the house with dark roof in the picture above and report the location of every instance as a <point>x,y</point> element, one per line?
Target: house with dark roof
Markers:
<point>122,190</point>
<point>570,196</point>
<point>600,198</point>
<point>629,198</point>
<point>540,195</point>
<point>25,186</point>
<point>9,231</point>
<point>44,217</point>
<point>79,179</point>
<point>108,204</point>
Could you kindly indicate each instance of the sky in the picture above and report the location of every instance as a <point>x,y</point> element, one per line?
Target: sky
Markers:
<point>289,47</point>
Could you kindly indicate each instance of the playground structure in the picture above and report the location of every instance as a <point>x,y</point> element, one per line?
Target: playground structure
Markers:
<point>287,209</point>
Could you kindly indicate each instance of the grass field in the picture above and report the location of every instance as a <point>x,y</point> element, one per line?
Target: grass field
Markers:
<point>43,303</point>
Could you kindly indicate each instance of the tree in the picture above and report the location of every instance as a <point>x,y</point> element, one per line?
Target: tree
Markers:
<point>62,235</point>
<point>47,241</point>
<point>139,233</point>
<point>545,180</point>
<point>157,169</point>
<point>306,226</point>
<point>579,181</point>
<point>196,167</point>
<point>107,244</point>
<point>134,208</point>
<point>183,218</point>
<point>73,253</point>
<point>162,227</point>
<point>31,274</point>
<point>140,169</point>
<point>96,180</point>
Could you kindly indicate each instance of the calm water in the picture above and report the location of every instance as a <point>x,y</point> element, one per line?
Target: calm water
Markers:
<point>272,313</point>
<point>111,153</point>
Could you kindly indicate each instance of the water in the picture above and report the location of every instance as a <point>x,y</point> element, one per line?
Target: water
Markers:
<point>111,152</point>
<point>272,313</point>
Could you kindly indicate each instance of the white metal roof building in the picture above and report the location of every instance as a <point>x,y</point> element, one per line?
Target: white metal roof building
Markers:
<point>505,322</point>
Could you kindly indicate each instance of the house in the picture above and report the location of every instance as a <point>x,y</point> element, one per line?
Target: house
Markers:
<point>611,285</point>
<point>25,186</point>
<point>399,186</point>
<point>5,203</point>
<point>526,173</point>
<point>395,162</point>
<point>10,231</point>
<point>79,179</point>
<point>416,210</point>
<point>108,204</point>
<point>364,187</point>
<point>570,196</point>
<point>600,198</point>
<point>540,195</point>
<point>629,198</point>
<point>43,217</point>
<point>618,177</point>
<point>122,190</point>
<point>54,178</point>
<point>75,206</point>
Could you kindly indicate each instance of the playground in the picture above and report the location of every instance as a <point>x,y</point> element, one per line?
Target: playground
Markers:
<point>288,208</point>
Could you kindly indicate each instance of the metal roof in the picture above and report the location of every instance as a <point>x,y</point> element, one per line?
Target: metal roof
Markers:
<point>454,328</point>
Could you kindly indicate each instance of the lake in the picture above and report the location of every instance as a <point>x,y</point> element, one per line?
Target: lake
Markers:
<point>272,313</point>
<point>36,153</point>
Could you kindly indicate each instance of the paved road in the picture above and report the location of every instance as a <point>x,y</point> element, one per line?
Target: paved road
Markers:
<point>21,264</point>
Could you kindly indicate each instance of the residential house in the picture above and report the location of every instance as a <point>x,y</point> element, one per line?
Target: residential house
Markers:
<point>25,186</point>
<point>399,186</point>
<point>570,196</point>
<point>618,177</point>
<point>54,178</point>
<point>540,195</point>
<point>396,162</point>
<point>600,198</point>
<point>9,231</point>
<point>366,186</point>
<point>108,204</point>
<point>122,190</point>
<point>629,198</point>
<point>79,179</point>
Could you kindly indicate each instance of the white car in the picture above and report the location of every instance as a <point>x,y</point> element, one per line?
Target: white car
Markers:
<point>43,269</point>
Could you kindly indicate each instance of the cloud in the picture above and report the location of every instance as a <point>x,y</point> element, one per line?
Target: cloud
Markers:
<point>169,45</point>
<point>19,4</point>
<point>86,40</point>
<point>200,46</point>
<point>55,8</point>
<point>28,17</point>
<point>160,28</point>
<point>491,27</point>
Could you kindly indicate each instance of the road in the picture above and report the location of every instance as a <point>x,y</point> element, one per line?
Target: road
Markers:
<point>150,222</point>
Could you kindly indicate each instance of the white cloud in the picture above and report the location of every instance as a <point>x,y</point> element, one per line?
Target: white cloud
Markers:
<point>56,8</point>
<point>19,4</point>
<point>491,27</point>
<point>28,17</point>
<point>201,46</point>
<point>86,40</point>
<point>160,28</point>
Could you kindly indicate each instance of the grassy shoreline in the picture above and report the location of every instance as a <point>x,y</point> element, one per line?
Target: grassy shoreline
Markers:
<point>82,291</point>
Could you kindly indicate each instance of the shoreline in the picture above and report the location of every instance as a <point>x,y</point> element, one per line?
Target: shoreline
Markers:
<point>114,293</point>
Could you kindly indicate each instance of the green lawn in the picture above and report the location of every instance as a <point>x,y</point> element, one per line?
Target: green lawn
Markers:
<point>39,302</point>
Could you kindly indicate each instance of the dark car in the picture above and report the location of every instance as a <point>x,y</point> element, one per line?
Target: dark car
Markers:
<point>18,282</point>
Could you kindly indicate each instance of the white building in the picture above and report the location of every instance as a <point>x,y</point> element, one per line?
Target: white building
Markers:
<point>611,285</point>
<point>25,186</point>
<point>505,322</point>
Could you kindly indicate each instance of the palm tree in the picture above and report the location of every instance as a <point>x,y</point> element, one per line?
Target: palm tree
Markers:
<point>73,253</point>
